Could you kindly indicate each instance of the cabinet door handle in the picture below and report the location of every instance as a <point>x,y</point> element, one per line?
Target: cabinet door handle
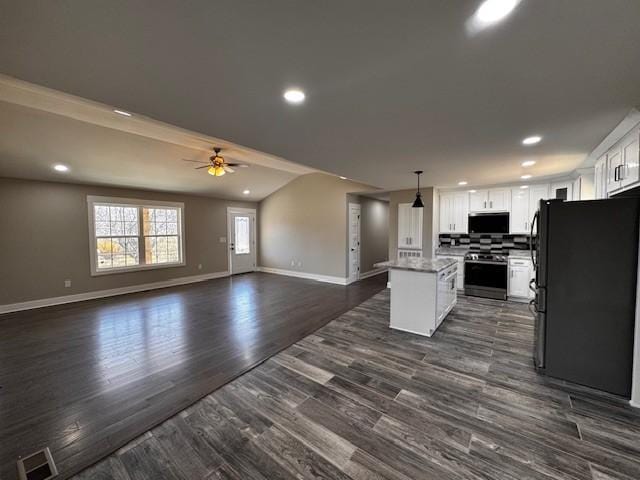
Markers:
<point>491,204</point>
<point>485,204</point>
<point>454,226</point>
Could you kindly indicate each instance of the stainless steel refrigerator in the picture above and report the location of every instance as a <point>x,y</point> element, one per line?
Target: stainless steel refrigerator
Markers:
<point>586,260</point>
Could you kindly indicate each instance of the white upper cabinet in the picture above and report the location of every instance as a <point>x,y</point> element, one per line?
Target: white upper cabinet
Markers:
<point>524,205</point>
<point>614,163</point>
<point>519,219</point>
<point>478,200</point>
<point>409,226</point>
<point>500,199</point>
<point>537,193</point>
<point>600,178</point>
<point>493,200</point>
<point>454,212</point>
<point>630,149</point>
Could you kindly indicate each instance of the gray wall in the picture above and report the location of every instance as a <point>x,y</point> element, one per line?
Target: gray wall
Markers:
<point>306,222</point>
<point>45,239</point>
<point>374,232</point>
<point>408,196</point>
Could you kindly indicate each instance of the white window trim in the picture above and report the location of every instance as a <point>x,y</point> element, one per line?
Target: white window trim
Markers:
<point>119,201</point>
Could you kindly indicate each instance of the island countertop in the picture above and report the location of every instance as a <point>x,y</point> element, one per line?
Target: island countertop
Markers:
<point>419,264</point>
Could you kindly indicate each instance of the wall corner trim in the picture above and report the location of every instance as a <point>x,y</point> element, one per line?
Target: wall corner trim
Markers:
<point>634,404</point>
<point>80,297</point>
<point>310,276</point>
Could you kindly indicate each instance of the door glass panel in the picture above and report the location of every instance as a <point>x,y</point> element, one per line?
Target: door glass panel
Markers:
<point>242,234</point>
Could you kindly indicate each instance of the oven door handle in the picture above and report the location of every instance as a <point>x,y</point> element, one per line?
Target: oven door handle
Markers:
<point>482,262</point>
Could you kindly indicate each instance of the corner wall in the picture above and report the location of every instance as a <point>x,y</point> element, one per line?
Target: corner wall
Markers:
<point>45,239</point>
<point>305,223</point>
<point>374,233</point>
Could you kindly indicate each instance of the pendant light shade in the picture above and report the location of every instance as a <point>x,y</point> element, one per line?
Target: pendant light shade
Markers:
<point>417,203</point>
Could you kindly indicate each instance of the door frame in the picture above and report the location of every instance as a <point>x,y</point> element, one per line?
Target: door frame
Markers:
<point>230,212</point>
<point>356,277</point>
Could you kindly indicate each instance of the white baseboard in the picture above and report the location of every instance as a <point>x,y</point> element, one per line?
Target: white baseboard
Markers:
<point>634,404</point>
<point>79,297</point>
<point>371,273</point>
<point>310,276</point>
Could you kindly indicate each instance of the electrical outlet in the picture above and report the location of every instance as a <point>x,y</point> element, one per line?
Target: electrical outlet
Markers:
<point>67,283</point>
<point>199,266</point>
<point>293,263</point>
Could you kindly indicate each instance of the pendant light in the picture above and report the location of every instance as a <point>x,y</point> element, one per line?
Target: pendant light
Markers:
<point>417,203</point>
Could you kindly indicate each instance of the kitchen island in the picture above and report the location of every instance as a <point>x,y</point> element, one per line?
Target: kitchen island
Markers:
<point>423,292</point>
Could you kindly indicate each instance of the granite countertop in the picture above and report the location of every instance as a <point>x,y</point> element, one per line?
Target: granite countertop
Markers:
<point>520,254</point>
<point>454,251</point>
<point>419,264</point>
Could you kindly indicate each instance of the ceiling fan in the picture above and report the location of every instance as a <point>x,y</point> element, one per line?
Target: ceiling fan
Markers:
<point>217,165</point>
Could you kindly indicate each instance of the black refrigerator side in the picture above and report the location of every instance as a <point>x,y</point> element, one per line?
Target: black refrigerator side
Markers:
<point>589,259</point>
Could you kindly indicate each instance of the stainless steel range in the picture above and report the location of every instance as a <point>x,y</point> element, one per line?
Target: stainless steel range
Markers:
<point>485,274</point>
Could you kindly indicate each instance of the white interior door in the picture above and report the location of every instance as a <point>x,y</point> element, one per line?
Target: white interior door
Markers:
<point>354,242</point>
<point>242,240</point>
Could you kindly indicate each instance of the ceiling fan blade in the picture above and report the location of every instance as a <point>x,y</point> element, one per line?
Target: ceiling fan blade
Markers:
<point>228,169</point>
<point>204,166</point>
<point>195,161</point>
<point>239,165</point>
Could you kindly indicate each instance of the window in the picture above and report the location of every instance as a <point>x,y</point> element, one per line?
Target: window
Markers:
<point>134,234</point>
<point>242,246</point>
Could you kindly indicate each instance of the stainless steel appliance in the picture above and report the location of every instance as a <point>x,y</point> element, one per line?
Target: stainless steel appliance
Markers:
<point>489,222</point>
<point>586,261</point>
<point>485,275</point>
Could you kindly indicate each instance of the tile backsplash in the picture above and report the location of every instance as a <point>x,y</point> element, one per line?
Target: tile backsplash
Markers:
<point>485,241</point>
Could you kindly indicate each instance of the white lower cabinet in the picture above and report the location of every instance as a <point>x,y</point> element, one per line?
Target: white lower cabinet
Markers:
<point>460,274</point>
<point>520,274</point>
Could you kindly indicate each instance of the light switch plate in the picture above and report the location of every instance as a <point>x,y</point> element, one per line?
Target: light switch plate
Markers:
<point>223,239</point>
<point>67,283</point>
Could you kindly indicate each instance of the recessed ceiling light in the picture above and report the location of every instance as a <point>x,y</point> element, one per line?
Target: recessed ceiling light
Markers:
<point>528,163</point>
<point>472,191</point>
<point>489,13</point>
<point>343,178</point>
<point>246,192</point>
<point>525,177</point>
<point>532,140</point>
<point>60,168</point>
<point>462,183</point>
<point>524,186</point>
<point>294,96</point>
<point>122,112</point>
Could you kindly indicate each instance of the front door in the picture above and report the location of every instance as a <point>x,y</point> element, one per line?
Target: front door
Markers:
<point>242,244</point>
<point>354,242</point>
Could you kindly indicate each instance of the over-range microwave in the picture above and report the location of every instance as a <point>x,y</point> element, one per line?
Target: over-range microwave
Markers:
<point>489,222</point>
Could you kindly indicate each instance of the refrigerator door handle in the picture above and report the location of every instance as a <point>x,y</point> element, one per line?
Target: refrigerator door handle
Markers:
<point>533,224</point>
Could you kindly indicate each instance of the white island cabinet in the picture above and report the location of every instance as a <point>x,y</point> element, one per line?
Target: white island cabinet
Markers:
<point>423,292</point>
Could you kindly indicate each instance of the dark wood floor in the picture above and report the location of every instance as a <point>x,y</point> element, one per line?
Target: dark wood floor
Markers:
<point>357,400</point>
<point>86,378</point>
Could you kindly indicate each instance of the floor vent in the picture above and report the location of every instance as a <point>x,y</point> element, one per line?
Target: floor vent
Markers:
<point>37,466</point>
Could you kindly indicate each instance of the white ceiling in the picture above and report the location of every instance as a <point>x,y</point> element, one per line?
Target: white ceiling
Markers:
<point>391,86</point>
<point>34,140</point>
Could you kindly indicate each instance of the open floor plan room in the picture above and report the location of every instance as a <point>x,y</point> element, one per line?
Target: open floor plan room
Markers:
<point>357,400</point>
<point>362,240</point>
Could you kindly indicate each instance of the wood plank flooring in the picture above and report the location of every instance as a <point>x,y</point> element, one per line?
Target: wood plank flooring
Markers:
<point>355,400</point>
<point>86,378</point>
